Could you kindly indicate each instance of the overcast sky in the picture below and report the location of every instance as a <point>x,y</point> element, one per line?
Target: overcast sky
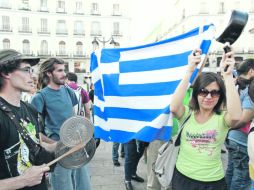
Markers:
<point>146,16</point>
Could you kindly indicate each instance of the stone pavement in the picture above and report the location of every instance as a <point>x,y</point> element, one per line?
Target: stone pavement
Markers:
<point>105,176</point>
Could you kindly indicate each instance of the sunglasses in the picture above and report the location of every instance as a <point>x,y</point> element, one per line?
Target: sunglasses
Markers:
<point>204,92</point>
<point>26,69</point>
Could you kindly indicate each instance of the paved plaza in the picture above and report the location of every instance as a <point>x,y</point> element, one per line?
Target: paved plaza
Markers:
<point>105,176</point>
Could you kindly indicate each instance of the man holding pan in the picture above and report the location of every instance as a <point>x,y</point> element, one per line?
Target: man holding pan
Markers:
<point>55,102</point>
<point>22,155</point>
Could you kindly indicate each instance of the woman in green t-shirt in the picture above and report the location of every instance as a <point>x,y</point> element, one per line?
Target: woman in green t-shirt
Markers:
<point>199,164</point>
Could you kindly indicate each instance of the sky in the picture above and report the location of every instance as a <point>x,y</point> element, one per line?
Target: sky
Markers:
<point>147,14</point>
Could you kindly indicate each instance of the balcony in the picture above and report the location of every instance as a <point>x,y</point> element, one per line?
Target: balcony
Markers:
<point>79,33</point>
<point>62,54</point>
<point>79,55</point>
<point>44,54</point>
<point>25,30</point>
<point>61,32</point>
<point>25,8</point>
<point>79,12</point>
<point>95,12</point>
<point>5,5</point>
<point>43,9</point>
<point>117,33</point>
<point>61,10</point>
<point>5,29</point>
<point>43,31</point>
<point>96,33</point>
<point>116,13</point>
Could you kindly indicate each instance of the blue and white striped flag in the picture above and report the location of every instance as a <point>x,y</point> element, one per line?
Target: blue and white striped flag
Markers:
<point>133,86</point>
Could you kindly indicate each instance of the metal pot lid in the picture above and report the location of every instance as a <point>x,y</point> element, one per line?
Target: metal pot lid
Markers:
<point>78,158</point>
<point>76,130</point>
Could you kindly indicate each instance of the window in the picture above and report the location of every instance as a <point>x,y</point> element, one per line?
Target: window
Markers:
<point>5,4</point>
<point>25,5</point>
<point>95,9</point>
<point>79,48</point>
<point>62,48</point>
<point>78,7</point>
<point>25,24</point>
<point>116,9</point>
<point>203,8</point>
<point>221,7</point>
<point>44,5</point>
<point>78,27</point>
<point>5,23</point>
<point>252,6</point>
<point>44,25</point>
<point>26,47</point>
<point>60,6</point>
<point>96,28</point>
<point>44,47</point>
<point>116,27</point>
<point>61,27</point>
<point>6,43</point>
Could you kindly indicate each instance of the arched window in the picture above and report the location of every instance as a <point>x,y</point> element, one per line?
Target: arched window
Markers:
<point>26,47</point>
<point>44,47</point>
<point>79,48</point>
<point>62,48</point>
<point>6,43</point>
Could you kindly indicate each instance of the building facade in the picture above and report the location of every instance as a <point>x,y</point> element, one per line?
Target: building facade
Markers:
<point>185,15</point>
<point>63,28</point>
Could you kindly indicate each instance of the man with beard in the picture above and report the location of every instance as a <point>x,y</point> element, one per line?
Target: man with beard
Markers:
<point>55,102</point>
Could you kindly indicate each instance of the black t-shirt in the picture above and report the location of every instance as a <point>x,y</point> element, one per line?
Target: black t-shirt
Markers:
<point>13,151</point>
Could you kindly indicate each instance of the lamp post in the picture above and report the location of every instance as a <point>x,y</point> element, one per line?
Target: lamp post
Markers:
<point>111,41</point>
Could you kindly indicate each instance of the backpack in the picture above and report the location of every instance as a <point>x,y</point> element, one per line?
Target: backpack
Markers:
<point>79,108</point>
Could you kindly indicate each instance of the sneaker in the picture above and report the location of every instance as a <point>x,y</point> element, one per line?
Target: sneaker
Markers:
<point>137,178</point>
<point>128,185</point>
<point>116,163</point>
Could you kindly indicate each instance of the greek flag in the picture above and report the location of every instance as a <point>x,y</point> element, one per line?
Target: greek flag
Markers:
<point>133,86</point>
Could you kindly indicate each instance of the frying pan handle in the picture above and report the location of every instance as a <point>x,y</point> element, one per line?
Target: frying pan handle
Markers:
<point>226,50</point>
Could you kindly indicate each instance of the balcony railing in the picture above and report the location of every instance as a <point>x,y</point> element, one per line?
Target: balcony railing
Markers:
<point>25,8</point>
<point>5,29</point>
<point>44,53</point>
<point>5,5</point>
<point>96,33</point>
<point>43,9</point>
<point>61,32</point>
<point>61,10</point>
<point>79,32</point>
<point>95,12</point>
<point>79,55</point>
<point>116,13</point>
<point>43,31</point>
<point>25,30</point>
<point>117,33</point>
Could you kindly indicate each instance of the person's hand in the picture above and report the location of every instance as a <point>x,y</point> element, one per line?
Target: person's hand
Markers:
<point>227,63</point>
<point>194,59</point>
<point>34,174</point>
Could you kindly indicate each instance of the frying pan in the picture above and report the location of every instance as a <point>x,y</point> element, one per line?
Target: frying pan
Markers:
<point>231,33</point>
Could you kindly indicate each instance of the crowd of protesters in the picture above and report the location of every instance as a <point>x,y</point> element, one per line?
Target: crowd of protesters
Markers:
<point>221,107</point>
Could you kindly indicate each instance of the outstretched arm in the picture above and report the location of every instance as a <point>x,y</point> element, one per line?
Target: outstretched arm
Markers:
<point>176,105</point>
<point>234,110</point>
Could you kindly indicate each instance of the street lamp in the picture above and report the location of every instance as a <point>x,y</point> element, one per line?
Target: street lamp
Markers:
<point>111,41</point>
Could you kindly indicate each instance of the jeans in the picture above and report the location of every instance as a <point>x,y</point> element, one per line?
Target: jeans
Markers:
<point>237,174</point>
<point>133,152</point>
<point>70,179</point>
<point>115,148</point>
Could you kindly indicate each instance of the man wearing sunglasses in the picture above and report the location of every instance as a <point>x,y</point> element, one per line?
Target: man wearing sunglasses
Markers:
<point>16,164</point>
